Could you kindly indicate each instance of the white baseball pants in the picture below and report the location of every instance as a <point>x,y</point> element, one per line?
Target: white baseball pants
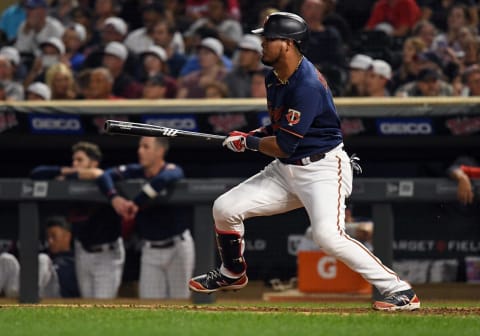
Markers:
<point>321,187</point>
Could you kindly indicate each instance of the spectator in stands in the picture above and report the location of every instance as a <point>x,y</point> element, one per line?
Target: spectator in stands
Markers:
<point>82,81</point>
<point>155,64</point>
<point>471,78</point>
<point>378,76</point>
<point>12,89</point>
<point>217,24</point>
<point>62,11</point>
<point>163,35</point>
<point>37,27</point>
<point>426,31</point>
<point>427,84</point>
<point>52,52</point>
<point>115,29</point>
<point>57,275</point>
<point>100,85</point>
<point>155,87</point>
<point>60,80</point>
<point>447,45</point>
<point>141,39</point>
<point>167,259</point>
<point>74,39</point>
<point>38,91</point>
<point>102,11</point>
<point>465,192</point>
<point>210,52</point>
<point>257,85</point>
<point>114,60</point>
<point>19,69</point>
<point>359,65</point>
<point>99,251</point>
<point>11,19</point>
<point>395,17</point>
<point>248,61</point>
<point>325,45</point>
<point>83,16</point>
<point>437,11</point>
<point>413,48</point>
<point>216,90</point>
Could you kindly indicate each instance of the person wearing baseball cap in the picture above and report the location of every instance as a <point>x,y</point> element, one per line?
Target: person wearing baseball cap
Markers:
<point>38,91</point>
<point>114,59</point>
<point>378,76</point>
<point>155,64</point>
<point>114,29</point>
<point>75,38</point>
<point>359,65</point>
<point>12,89</point>
<point>247,62</point>
<point>52,51</point>
<point>428,84</point>
<point>210,52</point>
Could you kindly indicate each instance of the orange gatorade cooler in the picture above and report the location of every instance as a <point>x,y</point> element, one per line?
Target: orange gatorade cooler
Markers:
<point>320,273</point>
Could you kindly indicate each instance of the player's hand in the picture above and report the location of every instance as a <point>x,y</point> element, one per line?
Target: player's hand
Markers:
<point>124,208</point>
<point>464,191</point>
<point>236,141</point>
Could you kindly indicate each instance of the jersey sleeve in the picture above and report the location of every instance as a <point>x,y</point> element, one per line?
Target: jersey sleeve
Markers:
<point>471,171</point>
<point>170,174</point>
<point>296,121</point>
<point>45,172</point>
<point>106,181</point>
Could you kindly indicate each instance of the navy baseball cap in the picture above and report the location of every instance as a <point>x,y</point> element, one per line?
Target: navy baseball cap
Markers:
<point>36,4</point>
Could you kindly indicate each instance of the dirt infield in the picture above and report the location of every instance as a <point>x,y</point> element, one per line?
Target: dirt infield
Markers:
<point>439,311</point>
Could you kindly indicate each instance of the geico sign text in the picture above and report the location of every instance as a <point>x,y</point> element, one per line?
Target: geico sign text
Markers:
<point>56,124</point>
<point>406,128</point>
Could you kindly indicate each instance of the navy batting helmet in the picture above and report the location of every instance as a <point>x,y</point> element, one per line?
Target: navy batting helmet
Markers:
<point>285,26</point>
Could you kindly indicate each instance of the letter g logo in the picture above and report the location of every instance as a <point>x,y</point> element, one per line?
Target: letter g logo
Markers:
<point>327,267</point>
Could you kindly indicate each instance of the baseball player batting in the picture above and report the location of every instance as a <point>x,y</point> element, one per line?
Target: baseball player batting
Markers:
<point>311,169</point>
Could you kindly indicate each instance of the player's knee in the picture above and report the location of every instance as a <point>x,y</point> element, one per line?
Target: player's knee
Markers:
<point>222,210</point>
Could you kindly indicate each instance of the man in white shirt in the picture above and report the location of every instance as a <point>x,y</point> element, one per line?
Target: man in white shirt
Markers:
<point>37,27</point>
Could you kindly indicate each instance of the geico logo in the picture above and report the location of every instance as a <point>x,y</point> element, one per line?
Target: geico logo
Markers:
<point>406,128</point>
<point>179,123</point>
<point>327,267</point>
<point>56,124</point>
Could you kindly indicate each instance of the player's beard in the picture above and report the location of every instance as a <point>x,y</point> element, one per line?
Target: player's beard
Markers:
<point>271,62</point>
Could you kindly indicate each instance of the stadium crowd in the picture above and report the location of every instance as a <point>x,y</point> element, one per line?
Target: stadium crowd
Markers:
<point>167,49</point>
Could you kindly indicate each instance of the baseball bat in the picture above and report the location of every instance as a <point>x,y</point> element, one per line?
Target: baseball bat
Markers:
<point>141,129</point>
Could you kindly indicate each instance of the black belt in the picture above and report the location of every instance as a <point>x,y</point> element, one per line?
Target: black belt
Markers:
<point>309,159</point>
<point>169,242</point>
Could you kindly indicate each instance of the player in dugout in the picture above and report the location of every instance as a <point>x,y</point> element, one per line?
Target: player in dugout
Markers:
<point>168,253</point>
<point>311,169</point>
<point>99,249</point>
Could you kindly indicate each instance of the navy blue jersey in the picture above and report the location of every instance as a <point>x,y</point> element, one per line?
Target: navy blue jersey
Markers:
<point>302,113</point>
<point>153,221</point>
<point>92,223</point>
<point>64,264</point>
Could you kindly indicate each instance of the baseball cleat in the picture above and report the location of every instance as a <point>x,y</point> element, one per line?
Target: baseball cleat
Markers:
<point>403,300</point>
<point>215,281</point>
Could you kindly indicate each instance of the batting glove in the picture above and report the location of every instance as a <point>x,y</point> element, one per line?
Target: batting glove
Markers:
<point>236,141</point>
